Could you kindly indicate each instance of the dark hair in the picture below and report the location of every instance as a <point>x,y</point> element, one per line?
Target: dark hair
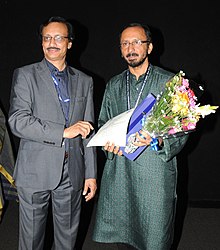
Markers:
<point>144,26</point>
<point>58,19</point>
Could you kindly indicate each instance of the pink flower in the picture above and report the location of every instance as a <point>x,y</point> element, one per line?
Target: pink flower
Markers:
<point>185,82</point>
<point>172,131</point>
<point>189,126</point>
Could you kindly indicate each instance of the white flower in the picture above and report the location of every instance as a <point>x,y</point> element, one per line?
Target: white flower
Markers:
<point>205,110</point>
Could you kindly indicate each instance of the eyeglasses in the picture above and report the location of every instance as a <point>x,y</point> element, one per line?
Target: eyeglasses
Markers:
<point>135,43</point>
<point>57,38</point>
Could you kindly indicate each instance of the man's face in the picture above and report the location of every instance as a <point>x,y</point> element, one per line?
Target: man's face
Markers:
<point>55,42</point>
<point>134,46</point>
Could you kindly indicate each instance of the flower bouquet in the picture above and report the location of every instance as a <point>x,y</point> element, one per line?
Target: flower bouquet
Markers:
<point>176,111</point>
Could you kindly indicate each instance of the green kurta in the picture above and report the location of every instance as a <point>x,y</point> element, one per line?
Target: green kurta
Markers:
<point>137,199</point>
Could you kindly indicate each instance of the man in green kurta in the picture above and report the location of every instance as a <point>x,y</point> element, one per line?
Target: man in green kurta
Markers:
<point>136,205</point>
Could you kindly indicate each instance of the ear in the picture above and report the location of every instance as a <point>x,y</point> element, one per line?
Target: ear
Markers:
<point>150,48</point>
<point>69,45</point>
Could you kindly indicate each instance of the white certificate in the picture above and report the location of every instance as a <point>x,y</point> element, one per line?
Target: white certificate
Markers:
<point>113,131</point>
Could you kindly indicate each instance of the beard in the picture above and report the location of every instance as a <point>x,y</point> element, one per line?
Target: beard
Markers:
<point>135,63</point>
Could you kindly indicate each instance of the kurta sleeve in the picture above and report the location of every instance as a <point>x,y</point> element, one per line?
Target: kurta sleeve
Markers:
<point>172,146</point>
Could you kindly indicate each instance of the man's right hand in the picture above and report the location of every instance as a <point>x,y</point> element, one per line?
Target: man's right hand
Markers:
<point>82,128</point>
<point>110,147</point>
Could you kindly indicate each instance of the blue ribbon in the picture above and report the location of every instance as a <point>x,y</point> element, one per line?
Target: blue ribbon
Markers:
<point>141,135</point>
<point>142,116</point>
<point>155,144</point>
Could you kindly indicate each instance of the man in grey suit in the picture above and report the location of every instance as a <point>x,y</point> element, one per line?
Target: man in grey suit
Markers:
<point>52,111</point>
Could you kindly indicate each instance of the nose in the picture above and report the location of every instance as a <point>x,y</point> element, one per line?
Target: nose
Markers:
<point>130,47</point>
<point>52,41</point>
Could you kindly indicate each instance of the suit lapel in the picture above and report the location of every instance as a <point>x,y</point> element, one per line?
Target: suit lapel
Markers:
<point>72,88</point>
<point>44,73</point>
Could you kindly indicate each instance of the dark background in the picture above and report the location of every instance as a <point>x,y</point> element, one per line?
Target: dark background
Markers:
<point>186,37</point>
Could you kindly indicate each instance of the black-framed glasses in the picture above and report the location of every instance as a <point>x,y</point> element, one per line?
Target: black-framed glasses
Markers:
<point>57,38</point>
<point>135,43</point>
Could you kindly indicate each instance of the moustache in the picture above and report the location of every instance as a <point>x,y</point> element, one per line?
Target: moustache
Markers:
<point>131,54</point>
<point>53,48</point>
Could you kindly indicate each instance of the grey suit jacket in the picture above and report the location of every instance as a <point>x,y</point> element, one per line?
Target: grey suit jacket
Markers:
<point>36,117</point>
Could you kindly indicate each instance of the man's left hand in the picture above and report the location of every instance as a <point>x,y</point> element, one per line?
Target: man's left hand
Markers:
<point>90,187</point>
